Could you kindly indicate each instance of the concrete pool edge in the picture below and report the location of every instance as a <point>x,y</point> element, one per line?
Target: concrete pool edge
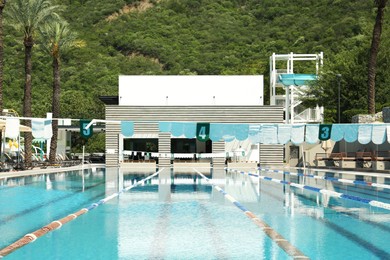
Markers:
<point>15,174</point>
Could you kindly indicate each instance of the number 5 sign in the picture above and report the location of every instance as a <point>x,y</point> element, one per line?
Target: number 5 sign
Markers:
<point>324,132</point>
<point>85,133</point>
<point>202,131</point>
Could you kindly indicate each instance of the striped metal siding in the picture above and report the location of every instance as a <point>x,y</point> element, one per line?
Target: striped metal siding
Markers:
<point>142,127</point>
<point>164,146</point>
<point>212,114</point>
<point>271,155</point>
<point>112,143</point>
<point>145,118</point>
<point>218,163</point>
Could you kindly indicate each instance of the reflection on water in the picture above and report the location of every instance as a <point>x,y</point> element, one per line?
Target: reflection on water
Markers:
<point>175,214</point>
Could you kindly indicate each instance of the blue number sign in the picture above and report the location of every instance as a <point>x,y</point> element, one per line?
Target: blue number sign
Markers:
<point>202,131</point>
<point>85,133</point>
<point>324,132</point>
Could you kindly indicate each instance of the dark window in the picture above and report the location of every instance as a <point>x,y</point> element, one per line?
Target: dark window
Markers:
<point>181,145</point>
<point>142,145</point>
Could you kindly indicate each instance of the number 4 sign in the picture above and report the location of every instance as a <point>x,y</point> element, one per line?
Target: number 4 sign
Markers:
<point>202,131</point>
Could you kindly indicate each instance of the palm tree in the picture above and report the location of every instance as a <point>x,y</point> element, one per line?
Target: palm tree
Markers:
<point>2,5</point>
<point>28,16</point>
<point>376,37</point>
<point>57,38</point>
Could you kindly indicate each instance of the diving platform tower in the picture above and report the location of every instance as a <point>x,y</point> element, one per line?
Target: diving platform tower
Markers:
<point>286,87</point>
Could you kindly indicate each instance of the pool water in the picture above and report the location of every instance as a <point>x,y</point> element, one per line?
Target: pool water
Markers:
<point>181,217</point>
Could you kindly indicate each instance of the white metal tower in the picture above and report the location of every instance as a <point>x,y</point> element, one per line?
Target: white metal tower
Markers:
<point>293,84</point>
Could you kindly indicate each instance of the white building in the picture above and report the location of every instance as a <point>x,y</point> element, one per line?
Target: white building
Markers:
<point>148,100</point>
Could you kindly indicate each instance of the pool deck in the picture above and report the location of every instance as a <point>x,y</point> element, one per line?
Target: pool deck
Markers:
<point>37,171</point>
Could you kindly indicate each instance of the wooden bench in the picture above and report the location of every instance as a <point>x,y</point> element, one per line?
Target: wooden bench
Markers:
<point>341,160</point>
<point>347,160</point>
<point>381,160</point>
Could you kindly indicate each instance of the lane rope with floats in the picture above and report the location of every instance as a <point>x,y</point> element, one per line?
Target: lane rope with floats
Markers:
<point>31,237</point>
<point>269,231</point>
<point>373,203</point>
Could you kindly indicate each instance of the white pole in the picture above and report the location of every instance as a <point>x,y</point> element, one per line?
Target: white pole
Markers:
<point>121,157</point>
<point>83,156</point>
<point>292,105</point>
<point>18,157</point>
<point>48,116</point>
<point>3,146</point>
<point>287,105</point>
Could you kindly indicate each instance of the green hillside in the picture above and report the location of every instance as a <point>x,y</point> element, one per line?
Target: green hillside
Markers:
<point>214,37</point>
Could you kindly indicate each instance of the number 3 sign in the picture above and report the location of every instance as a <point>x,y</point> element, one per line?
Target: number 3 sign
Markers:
<point>324,132</point>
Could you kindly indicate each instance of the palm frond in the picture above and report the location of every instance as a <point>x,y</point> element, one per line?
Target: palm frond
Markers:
<point>29,15</point>
<point>57,37</point>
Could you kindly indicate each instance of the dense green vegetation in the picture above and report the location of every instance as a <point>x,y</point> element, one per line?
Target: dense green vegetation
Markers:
<point>206,38</point>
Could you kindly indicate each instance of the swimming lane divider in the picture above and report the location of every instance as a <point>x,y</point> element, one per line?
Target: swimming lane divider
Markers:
<point>364,183</point>
<point>373,203</point>
<point>31,237</point>
<point>269,231</point>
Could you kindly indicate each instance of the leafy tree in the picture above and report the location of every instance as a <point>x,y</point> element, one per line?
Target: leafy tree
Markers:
<point>27,16</point>
<point>2,5</point>
<point>71,106</point>
<point>57,38</point>
<point>203,37</point>
<point>376,36</point>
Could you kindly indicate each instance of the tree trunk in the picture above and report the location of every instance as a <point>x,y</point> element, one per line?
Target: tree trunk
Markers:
<point>27,110</point>
<point>373,55</point>
<point>55,108</point>
<point>2,4</point>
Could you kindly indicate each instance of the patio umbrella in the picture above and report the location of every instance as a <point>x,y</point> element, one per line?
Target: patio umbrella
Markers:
<point>22,128</point>
<point>326,145</point>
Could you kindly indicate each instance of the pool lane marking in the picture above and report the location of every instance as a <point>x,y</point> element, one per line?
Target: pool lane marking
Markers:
<point>158,245</point>
<point>373,203</point>
<point>217,242</point>
<point>39,206</point>
<point>367,244</point>
<point>269,231</point>
<point>31,237</point>
<point>364,183</point>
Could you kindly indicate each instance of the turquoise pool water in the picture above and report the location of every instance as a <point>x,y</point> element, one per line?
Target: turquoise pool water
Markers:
<point>181,217</point>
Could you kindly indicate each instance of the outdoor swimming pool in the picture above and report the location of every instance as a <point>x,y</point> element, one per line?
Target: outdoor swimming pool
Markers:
<point>182,217</point>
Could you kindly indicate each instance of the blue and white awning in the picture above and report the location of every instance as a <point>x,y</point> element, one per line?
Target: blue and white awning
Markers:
<point>277,133</point>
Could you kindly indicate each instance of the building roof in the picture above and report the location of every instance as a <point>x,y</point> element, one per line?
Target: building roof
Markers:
<point>110,100</point>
